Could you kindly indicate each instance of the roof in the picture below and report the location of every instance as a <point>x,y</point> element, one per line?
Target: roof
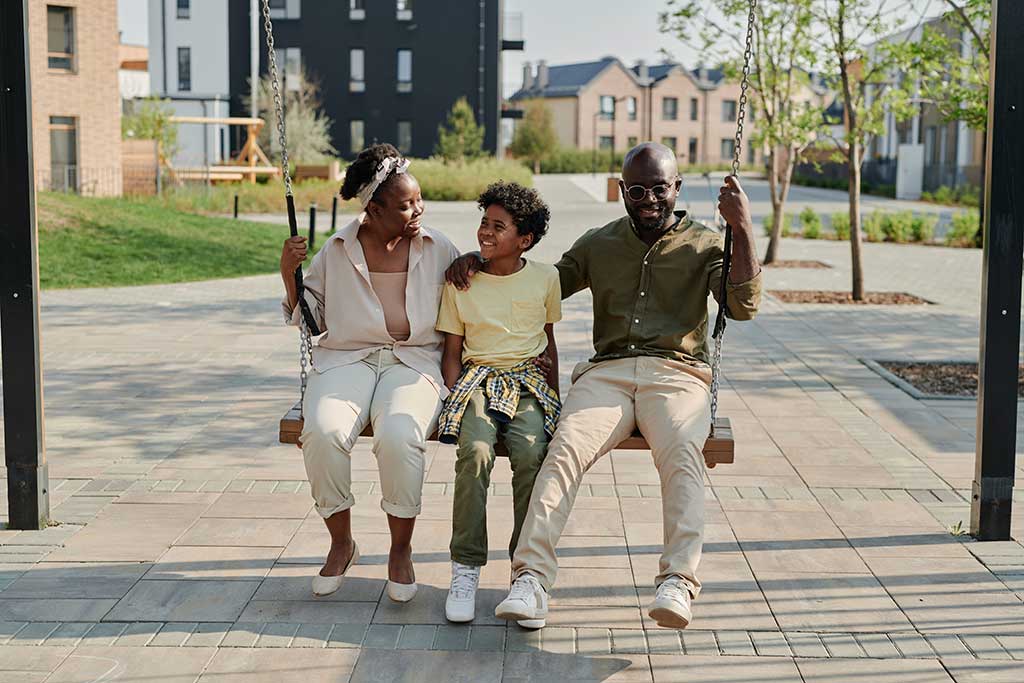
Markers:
<point>567,80</point>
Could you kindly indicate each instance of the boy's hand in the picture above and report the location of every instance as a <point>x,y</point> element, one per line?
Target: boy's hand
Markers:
<point>462,269</point>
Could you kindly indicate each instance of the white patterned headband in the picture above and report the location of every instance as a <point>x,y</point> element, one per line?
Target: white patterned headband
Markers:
<point>385,169</point>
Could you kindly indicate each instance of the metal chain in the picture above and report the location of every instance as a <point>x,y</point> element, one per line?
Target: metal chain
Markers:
<point>741,114</point>
<point>268,28</point>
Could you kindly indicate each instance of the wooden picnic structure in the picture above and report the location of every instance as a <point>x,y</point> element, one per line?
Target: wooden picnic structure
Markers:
<point>251,161</point>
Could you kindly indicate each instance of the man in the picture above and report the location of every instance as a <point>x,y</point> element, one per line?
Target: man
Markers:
<point>650,273</point>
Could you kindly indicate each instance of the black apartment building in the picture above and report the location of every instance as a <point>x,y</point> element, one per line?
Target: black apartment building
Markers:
<point>389,70</point>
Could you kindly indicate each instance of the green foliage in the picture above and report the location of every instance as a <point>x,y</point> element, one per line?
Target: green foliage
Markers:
<point>810,221</point>
<point>465,181</point>
<point>964,230</point>
<point>841,225</point>
<point>149,119</point>
<point>100,242</point>
<point>769,224</point>
<point>874,226</point>
<point>898,227</point>
<point>460,138</point>
<point>965,195</point>
<point>309,129</point>
<point>535,137</point>
<point>922,228</point>
<point>570,160</point>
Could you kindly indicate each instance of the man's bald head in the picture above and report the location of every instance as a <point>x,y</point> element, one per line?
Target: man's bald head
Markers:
<point>647,157</point>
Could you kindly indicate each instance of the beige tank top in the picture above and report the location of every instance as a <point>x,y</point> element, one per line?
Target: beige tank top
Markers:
<point>390,289</point>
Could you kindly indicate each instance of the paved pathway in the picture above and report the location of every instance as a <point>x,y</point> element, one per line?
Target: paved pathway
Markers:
<point>187,536</point>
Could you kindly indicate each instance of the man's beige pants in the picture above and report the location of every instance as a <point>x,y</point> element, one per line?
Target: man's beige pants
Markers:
<point>607,401</point>
<point>400,403</point>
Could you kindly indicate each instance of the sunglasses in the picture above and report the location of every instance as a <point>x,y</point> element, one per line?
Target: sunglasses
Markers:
<point>660,192</point>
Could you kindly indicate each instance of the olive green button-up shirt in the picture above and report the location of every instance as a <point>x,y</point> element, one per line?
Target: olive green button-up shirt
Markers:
<point>652,301</point>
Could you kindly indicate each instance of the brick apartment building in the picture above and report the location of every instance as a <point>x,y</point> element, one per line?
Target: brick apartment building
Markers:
<point>606,104</point>
<point>76,105</point>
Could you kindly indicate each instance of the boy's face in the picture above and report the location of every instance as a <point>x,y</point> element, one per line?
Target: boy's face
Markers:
<point>498,236</point>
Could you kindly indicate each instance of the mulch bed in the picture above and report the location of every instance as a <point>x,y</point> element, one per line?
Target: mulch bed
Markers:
<point>816,296</point>
<point>796,264</point>
<point>948,379</point>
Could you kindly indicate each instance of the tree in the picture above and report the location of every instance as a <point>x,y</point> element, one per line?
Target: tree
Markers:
<point>150,120</point>
<point>869,88</point>
<point>309,129</point>
<point>954,82</point>
<point>460,137</point>
<point>535,136</point>
<point>790,119</point>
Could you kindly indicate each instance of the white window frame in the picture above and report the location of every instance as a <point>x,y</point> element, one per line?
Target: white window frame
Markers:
<point>357,84</point>
<point>407,148</point>
<point>357,10</point>
<point>353,125</point>
<point>403,10</point>
<point>406,84</point>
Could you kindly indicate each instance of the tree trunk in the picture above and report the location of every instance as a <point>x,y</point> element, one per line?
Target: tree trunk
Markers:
<point>536,166</point>
<point>853,161</point>
<point>773,243</point>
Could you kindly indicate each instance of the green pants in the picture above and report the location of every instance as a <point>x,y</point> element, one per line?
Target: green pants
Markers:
<point>527,444</point>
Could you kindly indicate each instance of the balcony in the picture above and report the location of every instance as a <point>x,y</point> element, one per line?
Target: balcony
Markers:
<point>512,31</point>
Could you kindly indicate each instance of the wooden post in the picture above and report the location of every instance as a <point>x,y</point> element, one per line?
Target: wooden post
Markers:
<point>992,494</point>
<point>251,151</point>
<point>334,213</point>
<point>28,500</point>
<point>236,207</point>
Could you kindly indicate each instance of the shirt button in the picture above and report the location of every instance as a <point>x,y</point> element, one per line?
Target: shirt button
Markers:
<point>632,346</point>
<point>645,263</point>
<point>643,293</point>
<point>636,320</point>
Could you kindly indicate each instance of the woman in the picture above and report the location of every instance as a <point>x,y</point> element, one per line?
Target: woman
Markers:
<point>374,289</point>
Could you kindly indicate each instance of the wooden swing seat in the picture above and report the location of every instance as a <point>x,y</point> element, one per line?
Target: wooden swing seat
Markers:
<point>718,449</point>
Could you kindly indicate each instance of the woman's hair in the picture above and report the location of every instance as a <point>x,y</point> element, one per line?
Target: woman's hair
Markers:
<point>528,210</point>
<point>360,171</point>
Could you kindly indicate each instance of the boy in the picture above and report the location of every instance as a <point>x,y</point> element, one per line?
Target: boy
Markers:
<point>493,334</point>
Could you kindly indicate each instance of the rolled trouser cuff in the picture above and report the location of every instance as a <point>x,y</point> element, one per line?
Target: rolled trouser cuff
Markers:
<point>400,511</point>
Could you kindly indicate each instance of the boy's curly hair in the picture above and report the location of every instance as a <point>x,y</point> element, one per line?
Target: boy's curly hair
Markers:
<point>529,212</point>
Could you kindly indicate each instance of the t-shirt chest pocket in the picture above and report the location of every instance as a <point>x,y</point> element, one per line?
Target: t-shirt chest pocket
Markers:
<point>527,316</point>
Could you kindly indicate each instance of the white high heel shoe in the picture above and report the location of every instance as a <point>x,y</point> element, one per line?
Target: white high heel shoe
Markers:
<point>401,592</point>
<point>325,585</point>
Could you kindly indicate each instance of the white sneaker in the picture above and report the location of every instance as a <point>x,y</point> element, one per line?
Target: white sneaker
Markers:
<point>671,606</point>
<point>460,606</point>
<point>526,601</point>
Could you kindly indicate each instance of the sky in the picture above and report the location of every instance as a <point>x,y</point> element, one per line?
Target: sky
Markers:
<point>559,31</point>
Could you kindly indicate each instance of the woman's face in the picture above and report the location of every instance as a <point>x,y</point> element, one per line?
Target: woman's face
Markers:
<point>397,210</point>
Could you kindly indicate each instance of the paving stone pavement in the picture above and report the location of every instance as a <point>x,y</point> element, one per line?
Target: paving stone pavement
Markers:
<point>186,536</point>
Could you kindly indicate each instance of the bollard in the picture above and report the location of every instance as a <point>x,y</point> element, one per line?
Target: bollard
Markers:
<point>236,207</point>
<point>312,225</point>
<point>334,213</point>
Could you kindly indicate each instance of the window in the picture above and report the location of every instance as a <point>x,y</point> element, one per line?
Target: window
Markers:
<point>60,38</point>
<point>404,10</point>
<point>405,71</point>
<point>289,60</point>
<point>751,152</point>
<point>670,143</point>
<point>669,108</point>
<point>692,151</point>
<point>631,108</point>
<point>184,69</point>
<point>607,107</point>
<point>631,141</point>
<point>605,142</point>
<point>279,9</point>
<point>356,136</point>
<point>183,9</point>
<point>728,110</point>
<point>356,71</point>
<point>728,148</point>
<point>63,154</point>
<point>694,109</point>
<point>404,136</point>
<point>356,10</point>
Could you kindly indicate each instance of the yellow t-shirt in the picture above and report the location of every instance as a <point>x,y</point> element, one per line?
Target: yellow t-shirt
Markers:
<point>502,317</point>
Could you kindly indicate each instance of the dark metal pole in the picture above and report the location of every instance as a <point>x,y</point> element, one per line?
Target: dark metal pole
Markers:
<point>312,225</point>
<point>992,499</point>
<point>334,213</point>
<point>236,207</point>
<point>28,500</point>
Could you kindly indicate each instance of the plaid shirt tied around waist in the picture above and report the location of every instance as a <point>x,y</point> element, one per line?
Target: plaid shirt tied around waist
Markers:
<point>502,389</point>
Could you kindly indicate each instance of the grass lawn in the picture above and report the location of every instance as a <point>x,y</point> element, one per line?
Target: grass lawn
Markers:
<point>92,242</point>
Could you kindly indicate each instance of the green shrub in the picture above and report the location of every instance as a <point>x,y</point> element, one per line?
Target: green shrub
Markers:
<point>841,225</point>
<point>964,229</point>
<point>964,195</point>
<point>769,222</point>
<point>922,228</point>
<point>566,160</point>
<point>898,227</point>
<point>810,221</point>
<point>873,225</point>
<point>465,181</point>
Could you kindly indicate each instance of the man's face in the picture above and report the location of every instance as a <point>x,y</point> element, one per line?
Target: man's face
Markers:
<point>653,211</point>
